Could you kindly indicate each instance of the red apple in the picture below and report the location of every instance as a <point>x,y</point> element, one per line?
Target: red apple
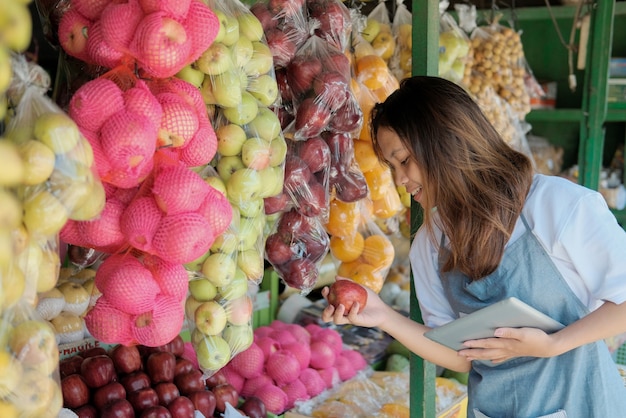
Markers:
<point>86,411</point>
<point>338,61</point>
<point>97,370</point>
<point>312,118</point>
<point>156,412</point>
<point>176,346</point>
<point>181,407</point>
<point>283,86</point>
<point>108,394</point>
<point>126,359</point>
<point>167,392</point>
<point>262,13</point>
<point>313,200</point>
<point>70,365</point>
<point>316,245</point>
<point>282,47</point>
<point>75,391</point>
<point>315,153</point>
<point>348,117</point>
<point>94,351</point>
<point>350,186</point>
<point>183,366</point>
<point>285,8</point>
<point>225,393</point>
<point>347,293</point>
<point>160,366</point>
<point>334,21</point>
<point>190,382</point>
<point>341,146</point>
<point>297,173</point>
<point>143,399</point>
<point>120,408</point>
<point>331,88</point>
<point>215,379</point>
<point>301,72</point>
<point>294,223</point>
<point>204,401</point>
<point>300,273</point>
<point>135,381</point>
<point>253,407</point>
<point>278,248</point>
<point>275,204</point>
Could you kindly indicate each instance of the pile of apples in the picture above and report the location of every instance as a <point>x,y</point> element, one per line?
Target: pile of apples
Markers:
<point>147,382</point>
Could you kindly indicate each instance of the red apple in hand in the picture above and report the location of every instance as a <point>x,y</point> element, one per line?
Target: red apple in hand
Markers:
<point>204,401</point>
<point>126,359</point>
<point>97,370</point>
<point>160,366</point>
<point>346,293</point>
<point>75,391</point>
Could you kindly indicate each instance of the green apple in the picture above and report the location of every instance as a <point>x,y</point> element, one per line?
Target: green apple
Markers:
<point>226,166</point>
<point>279,151</point>
<point>216,59</point>
<point>240,310</point>
<point>272,179</point>
<point>251,208</point>
<point>226,242</point>
<point>230,139</point>
<point>30,258</point>
<point>44,214</point>
<point>38,162</point>
<point>265,125</point>
<point>33,342</point>
<point>202,289</point>
<point>244,185</point>
<point>244,112</point>
<point>252,263</point>
<point>206,91</point>
<point>238,337</point>
<point>250,230</point>
<point>196,265</point>
<point>231,30</point>
<point>250,27</point>
<point>219,268</point>
<point>255,153</point>
<point>72,184</point>
<point>57,130</point>
<point>236,288</point>
<point>12,168</point>
<point>226,88</point>
<point>217,183</point>
<point>210,318</point>
<point>92,207</point>
<point>191,75</point>
<point>223,20</point>
<point>371,29</point>
<point>191,304</point>
<point>213,352</point>
<point>48,272</point>
<point>241,51</point>
<point>244,80</point>
<point>10,210</point>
<point>262,60</point>
<point>264,88</point>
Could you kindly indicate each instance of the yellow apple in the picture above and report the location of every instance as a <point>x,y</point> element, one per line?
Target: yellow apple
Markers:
<point>57,130</point>
<point>38,162</point>
<point>44,214</point>
<point>12,166</point>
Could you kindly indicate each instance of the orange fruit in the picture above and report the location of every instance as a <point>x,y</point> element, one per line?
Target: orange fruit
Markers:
<point>368,275</point>
<point>395,410</point>
<point>387,206</point>
<point>378,251</point>
<point>347,248</point>
<point>372,71</point>
<point>343,218</point>
<point>365,156</point>
<point>345,269</point>
<point>379,181</point>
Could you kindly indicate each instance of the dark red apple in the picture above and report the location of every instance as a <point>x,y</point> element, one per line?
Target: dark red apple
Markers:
<point>338,61</point>
<point>350,186</point>
<point>94,351</point>
<point>135,381</point>
<point>107,394</point>
<point>348,117</point>
<point>86,411</point>
<point>312,118</point>
<point>120,408</point>
<point>225,393</point>
<point>297,173</point>
<point>278,248</point>
<point>284,89</point>
<point>143,399</point>
<point>204,401</point>
<point>347,293</point>
<point>70,365</point>
<point>275,204</point>
<point>83,257</point>
<point>215,379</point>
<point>316,245</point>
<point>332,89</point>
<point>281,45</point>
<point>97,370</point>
<point>189,382</point>
<point>315,153</point>
<point>294,223</point>
<point>183,366</point>
<point>253,407</point>
<point>176,346</point>
<point>160,366</point>
<point>301,72</point>
<point>334,25</point>
<point>75,391</point>
<point>126,358</point>
<point>167,392</point>
<point>285,8</point>
<point>156,412</point>
<point>266,18</point>
<point>300,273</point>
<point>341,146</point>
<point>181,407</point>
<point>312,200</point>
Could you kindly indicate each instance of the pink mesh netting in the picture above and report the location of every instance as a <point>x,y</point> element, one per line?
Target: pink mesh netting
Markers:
<point>217,210</point>
<point>202,27</point>
<point>130,287</point>
<point>108,324</point>
<point>161,324</point>
<point>171,277</point>
<point>103,167</point>
<point>183,238</point>
<point>100,51</point>
<point>105,231</point>
<point>128,138</point>
<point>140,100</point>
<point>94,102</point>
<point>128,177</point>
<point>177,189</point>
<point>201,148</point>
<point>161,45</point>
<point>140,221</point>
<point>71,234</point>
<point>91,9</point>
<point>68,23</point>
<point>179,122</point>
<point>119,21</point>
<point>107,267</point>
<point>177,9</point>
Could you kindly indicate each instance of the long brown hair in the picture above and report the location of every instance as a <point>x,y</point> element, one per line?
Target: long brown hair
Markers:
<point>475,179</point>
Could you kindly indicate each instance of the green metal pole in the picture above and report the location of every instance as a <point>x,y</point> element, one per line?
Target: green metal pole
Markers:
<point>424,62</point>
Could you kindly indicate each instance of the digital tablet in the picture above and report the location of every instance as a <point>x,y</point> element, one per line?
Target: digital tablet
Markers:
<point>510,313</point>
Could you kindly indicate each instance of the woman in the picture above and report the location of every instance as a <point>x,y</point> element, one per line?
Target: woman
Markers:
<point>493,229</point>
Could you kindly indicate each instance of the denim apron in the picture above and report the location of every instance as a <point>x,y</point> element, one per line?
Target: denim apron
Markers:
<point>582,383</point>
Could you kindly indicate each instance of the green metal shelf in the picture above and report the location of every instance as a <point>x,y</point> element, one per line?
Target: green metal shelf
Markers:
<point>554,115</point>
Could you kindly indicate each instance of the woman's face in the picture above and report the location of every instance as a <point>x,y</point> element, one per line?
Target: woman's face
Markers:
<point>406,172</point>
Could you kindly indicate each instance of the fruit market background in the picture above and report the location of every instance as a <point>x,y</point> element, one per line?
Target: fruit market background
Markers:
<point>178,180</point>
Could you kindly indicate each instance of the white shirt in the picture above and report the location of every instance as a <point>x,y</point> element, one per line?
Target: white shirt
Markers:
<point>575,227</point>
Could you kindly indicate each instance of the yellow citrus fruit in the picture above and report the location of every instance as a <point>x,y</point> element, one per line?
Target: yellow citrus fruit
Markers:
<point>369,276</point>
<point>378,251</point>
<point>343,218</point>
<point>345,269</point>
<point>379,181</point>
<point>365,156</point>
<point>395,410</point>
<point>372,71</point>
<point>347,248</point>
<point>389,205</point>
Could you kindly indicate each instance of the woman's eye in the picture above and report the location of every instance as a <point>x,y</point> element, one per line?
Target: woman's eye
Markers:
<point>405,161</point>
